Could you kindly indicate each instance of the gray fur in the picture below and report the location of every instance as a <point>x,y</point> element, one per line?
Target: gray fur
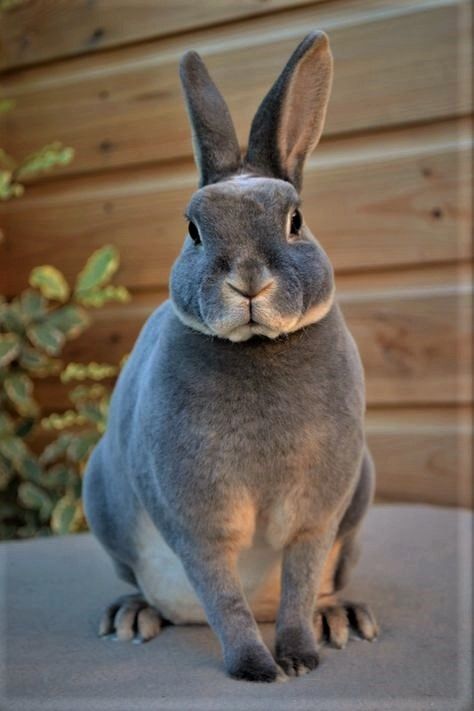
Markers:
<point>299,99</point>
<point>239,413</point>
<point>216,147</point>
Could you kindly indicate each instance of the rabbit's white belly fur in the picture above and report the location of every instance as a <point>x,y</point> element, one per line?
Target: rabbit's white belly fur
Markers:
<point>164,583</point>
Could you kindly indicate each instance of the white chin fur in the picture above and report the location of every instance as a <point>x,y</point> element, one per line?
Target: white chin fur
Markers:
<point>314,314</point>
<point>243,333</point>
<point>191,321</point>
<point>247,331</point>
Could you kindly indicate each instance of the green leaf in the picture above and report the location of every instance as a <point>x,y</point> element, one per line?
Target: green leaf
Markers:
<point>38,363</point>
<point>70,320</point>
<point>84,371</point>
<point>6,104</point>
<point>19,388</point>
<point>93,411</point>
<point>46,158</point>
<point>8,187</point>
<point>98,297</point>
<point>31,469</point>
<point>82,445</point>
<point>56,449</point>
<point>6,473</point>
<point>51,282</point>
<point>8,509</point>
<point>11,317</point>
<point>60,476</point>
<point>81,393</point>
<point>14,449</point>
<point>6,5</point>
<point>9,348</point>
<point>99,268</point>
<point>24,427</point>
<point>46,337</point>
<point>63,420</point>
<point>6,424</point>
<point>75,488</point>
<point>63,515</point>
<point>33,497</point>
<point>33,305</point>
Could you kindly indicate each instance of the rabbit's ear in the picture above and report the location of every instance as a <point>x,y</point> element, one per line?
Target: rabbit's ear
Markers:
<point>290,120</point>
<point>216,148</point>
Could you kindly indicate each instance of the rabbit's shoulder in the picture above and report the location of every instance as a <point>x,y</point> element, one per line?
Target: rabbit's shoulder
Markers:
<point>135,371</point>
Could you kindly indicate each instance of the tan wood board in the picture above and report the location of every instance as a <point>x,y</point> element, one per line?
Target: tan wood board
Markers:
<point>395,63</point>
<point>43,30</point>
<point>422,455</point>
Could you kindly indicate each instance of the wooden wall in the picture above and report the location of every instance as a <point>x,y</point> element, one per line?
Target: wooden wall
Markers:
<point>387,192</point>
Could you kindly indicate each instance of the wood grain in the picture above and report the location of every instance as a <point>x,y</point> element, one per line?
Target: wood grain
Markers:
<point>415,343</point>
<point>43,30</point>
<point>383,200</point>
<point>422,455</point>
<point>412,329</point>
<point>394,63</point>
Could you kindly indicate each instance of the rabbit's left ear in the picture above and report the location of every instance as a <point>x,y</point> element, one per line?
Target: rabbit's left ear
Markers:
<point>216,147</point>
<point>290,120</point>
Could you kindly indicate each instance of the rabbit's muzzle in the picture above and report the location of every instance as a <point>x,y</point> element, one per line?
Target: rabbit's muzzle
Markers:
<point>250,278</point>
<point>251,308</point>
<point>250,292</point>
<point>249,300</point>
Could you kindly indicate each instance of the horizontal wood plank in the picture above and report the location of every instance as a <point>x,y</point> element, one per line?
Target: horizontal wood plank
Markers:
<point>422,455</point>
<point>384,200</point>
<point>41,30</point>
<point>412,329</point>
<point>394,63</point>
<point>401,337</point>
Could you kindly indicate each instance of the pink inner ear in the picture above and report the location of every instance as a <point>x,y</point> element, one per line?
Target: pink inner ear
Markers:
<point>304,108</point>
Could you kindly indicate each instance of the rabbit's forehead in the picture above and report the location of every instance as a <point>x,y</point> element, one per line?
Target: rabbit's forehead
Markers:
<point>245,192</point>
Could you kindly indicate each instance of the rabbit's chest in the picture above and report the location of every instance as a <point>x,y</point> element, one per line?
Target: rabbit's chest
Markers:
<point>259,534</point>
<point>162,578</point>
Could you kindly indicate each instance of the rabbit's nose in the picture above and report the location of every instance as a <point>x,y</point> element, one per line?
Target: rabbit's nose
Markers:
<point>250,291</point>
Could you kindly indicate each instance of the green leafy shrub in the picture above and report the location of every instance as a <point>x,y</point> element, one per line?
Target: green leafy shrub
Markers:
<point>42,494</point>
<point>6,5</point>
<point>13,172</point>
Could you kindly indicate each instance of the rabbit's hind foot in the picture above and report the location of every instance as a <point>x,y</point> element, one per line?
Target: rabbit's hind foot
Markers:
<point>130,618</point>
<point>336,620</point>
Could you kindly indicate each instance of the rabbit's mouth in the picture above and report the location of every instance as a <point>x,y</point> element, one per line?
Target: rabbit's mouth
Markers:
<point>249,330</point>
<point>240,321</point>
<point>267,322</point>
<point>250,308</point>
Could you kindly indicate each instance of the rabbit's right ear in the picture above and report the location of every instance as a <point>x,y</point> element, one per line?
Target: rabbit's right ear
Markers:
<point>216,148</point>
<point>290,120</point>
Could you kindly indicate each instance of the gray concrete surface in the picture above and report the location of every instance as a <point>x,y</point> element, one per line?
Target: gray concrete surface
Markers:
<point>414,571</point>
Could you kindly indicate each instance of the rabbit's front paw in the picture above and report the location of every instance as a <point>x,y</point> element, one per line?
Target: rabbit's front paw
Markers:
<point>296,651</point>
<point>336,619</point>
<point>254,663</point>
<point>130,617</point>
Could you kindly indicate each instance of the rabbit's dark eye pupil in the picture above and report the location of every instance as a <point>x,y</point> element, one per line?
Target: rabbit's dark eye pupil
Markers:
<point>194,233</point>
<point>296,222</point>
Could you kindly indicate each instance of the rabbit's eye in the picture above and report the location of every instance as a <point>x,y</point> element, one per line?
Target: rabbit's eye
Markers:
<point>194,233</point>
<point>296,222</point>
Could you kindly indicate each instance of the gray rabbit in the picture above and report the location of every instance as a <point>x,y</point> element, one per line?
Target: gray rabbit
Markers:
<point>233,477</point>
